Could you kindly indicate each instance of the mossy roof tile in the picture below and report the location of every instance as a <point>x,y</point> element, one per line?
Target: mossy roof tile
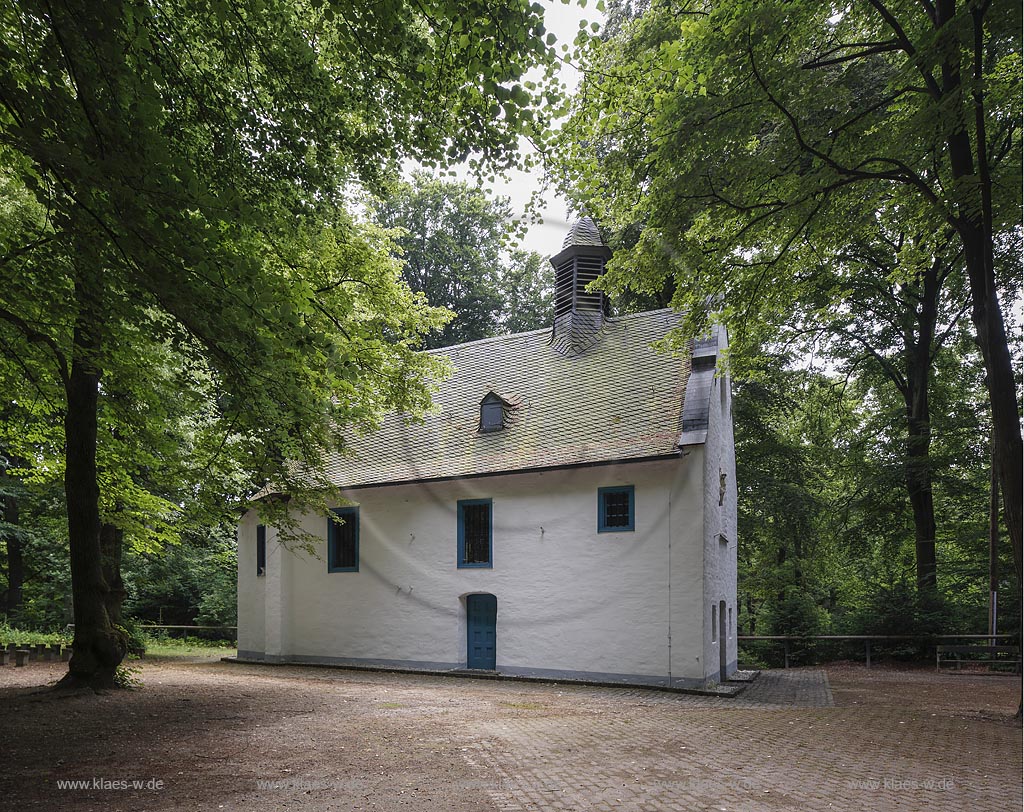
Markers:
<point>621,399</point>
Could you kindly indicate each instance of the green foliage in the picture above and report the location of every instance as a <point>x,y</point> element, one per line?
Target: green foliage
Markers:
<point>174,240</point>
<point>527,287</point>
<point>453,241</point>
<point>795,454</point>
<point>131,637</point>
<point>200,162</point>
<point>745,138</point>
<point>796,612</point>
<point>128,676</point>
<point>193,582</point>
<point>824,519</point>
<point>46,598</point>
<point>897,609</point>
<point>804,168</point>
<point>13,634</point>
<point>164,646</point>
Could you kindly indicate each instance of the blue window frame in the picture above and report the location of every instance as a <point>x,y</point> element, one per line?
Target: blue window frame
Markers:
<point>615,513</point>
<point>475,533</point>
<point>261,550</point>
<point>343,541</point>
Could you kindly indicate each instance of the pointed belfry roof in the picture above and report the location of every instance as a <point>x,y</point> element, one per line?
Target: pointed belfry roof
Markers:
<point>583,238</point>
<point>583,232</point>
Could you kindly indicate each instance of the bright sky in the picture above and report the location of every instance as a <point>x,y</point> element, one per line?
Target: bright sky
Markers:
<point>563,20</point>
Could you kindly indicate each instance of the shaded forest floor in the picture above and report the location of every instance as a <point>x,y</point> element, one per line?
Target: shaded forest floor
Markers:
<point>202,734</point>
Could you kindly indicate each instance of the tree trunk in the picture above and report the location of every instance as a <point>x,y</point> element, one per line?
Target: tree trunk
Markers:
<point>98,649</point>
<point>1008,453</point>
<point>111,539</point>
<point>968,160</point>
<point>15,561</point>
<point>918,343</point>
<point>993,552</point>
<point>973,222</point>
<point>919,489</point>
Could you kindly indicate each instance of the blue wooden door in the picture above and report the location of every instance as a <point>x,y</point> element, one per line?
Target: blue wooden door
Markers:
<point>481,619</point>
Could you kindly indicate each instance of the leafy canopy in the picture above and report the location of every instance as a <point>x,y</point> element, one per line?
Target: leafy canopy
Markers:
<point>454,246</point>
<point>182,175</point>
<point>740,135</point>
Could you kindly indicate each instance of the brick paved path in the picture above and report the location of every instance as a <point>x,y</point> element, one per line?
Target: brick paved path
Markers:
<point>779,746</point>
<point>847,738</point>
<point>795,688</point>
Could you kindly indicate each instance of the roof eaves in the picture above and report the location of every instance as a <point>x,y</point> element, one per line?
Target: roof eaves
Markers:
<point>695,437</point>
<point>511,471</point>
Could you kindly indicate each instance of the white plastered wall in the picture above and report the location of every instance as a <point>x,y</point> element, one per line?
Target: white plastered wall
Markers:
<point>251,588</point>
<point>720,544</point>
<point>571,601</point>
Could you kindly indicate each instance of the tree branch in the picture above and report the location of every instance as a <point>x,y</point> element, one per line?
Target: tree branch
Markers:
<point>38,337</point>
<point>25,249</point>
<point>869,49</point>
<point>908,46</point>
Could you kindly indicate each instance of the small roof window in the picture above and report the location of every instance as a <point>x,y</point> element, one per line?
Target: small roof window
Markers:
<point>492,413</point>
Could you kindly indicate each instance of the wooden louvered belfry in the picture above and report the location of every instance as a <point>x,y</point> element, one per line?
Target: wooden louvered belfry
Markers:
<point>579,313</point>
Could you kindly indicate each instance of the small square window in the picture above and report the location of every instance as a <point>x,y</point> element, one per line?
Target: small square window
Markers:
<point>261,550</point>
<point>343,541</point>
<point>615,512</point>
<point>475,533</point>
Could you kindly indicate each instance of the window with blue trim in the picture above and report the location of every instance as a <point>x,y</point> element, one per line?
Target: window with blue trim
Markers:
<point>343,540</point>
<point>261,550</point>
<point>615,513</point>
<point>475,533</point>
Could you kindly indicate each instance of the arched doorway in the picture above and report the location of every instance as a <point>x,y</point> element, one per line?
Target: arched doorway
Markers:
<point>481,626</point>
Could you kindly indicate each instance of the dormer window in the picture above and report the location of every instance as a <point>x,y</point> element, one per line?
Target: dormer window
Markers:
<point>492,413</point>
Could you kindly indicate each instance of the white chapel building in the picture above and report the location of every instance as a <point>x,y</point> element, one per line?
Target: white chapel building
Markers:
<point>568,512</point>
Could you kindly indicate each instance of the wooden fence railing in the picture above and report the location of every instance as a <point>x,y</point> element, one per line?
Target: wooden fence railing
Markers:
<point>185,630</point>
<point>868,639</point>
<point>70,628</point>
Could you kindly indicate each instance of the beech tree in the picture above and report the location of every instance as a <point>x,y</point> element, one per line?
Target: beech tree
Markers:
<point>454,242</point>
<point>738,133</point>
<point>451,238</point>
<point>528,291</point>
<point>183,169</point>
<point>882,303</point>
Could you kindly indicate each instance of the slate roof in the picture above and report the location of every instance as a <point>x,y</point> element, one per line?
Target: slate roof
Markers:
<point>618,400</point>
<point>583,232</point>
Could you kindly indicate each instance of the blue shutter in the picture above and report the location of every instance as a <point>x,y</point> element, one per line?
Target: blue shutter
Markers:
<point>343,541</point>
<point>261,549</point>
